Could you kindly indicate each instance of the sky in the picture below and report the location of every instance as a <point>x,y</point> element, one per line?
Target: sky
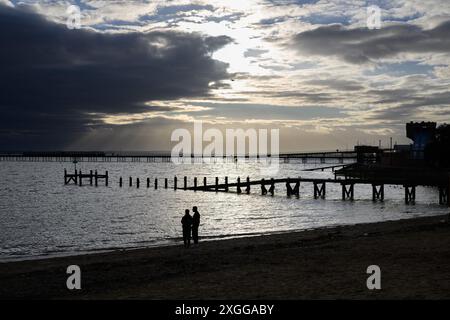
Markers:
<point>132,72</point>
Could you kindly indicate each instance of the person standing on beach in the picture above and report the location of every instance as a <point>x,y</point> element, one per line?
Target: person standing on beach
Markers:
<point>186,222</point>
<point>195,224</point>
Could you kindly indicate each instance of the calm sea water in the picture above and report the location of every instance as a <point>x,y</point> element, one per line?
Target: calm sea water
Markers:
<point>40,216</point>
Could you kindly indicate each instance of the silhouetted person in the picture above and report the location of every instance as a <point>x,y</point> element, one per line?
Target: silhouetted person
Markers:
<point>186,221</point>
<point>195,224</point>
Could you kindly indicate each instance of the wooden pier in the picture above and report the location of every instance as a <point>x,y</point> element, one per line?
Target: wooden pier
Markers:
<point>292,186</point>
<point>93,177</point>
<point>267,186</point>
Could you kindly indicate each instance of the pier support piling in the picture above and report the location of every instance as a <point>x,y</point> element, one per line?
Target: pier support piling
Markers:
<point>238,187</point>
<point>272,187</point>
<point>319,190</point>
<point>263,188</point>
<point>410,194</point>
<point>444,195</point>
<point>288,187</point>
<point>377,192</point>
<point>348,193</point>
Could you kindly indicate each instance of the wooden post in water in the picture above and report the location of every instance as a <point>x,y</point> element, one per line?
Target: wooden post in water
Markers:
<point>76,176</point>
<point>226,184</point>
<point>90,177</point>
<point>131,181</point>
<point>444,195</point>
<point>296,190</point>
<point>238,189</point>
<point>175,183</point>
<point>319,192</point>
<point>217,184</point>
<point>263,187</point>
<point>184,183</point>
<point>106,178</point>
<point>377,193</point>
<point>120,182</point>
<point>247,190</point>
<point>348,193</point>
<point>137,183</point>
<point>80,179</point>
<point>204,182</point>
<point>288,187</point>
<point>148,182</point>
<point>65,176</point>
<point>272,187</point>
<point>166,183</point>
<point>410,194</point>
<point>96,178</point>
<point>156,183</point>
<point>195,184</point>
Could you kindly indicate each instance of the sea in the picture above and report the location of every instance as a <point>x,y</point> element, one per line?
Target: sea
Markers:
<point>41,217</point>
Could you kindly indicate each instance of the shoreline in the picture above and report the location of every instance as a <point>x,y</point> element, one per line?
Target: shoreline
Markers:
<point>330,262</point>
<point>171,242</point>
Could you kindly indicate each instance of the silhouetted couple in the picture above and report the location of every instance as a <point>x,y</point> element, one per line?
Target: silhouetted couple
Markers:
<point>190,226</point>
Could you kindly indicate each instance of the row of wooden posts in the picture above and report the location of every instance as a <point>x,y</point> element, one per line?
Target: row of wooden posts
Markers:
<point>319,187</point>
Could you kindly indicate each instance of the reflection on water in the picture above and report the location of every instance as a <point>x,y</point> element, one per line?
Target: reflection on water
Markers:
<point>39,216</point>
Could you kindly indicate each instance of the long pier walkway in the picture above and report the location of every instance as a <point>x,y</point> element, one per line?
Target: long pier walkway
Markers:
<point>268,186</point>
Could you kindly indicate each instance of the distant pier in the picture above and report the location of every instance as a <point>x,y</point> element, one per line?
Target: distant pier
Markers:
<point>320,157</point>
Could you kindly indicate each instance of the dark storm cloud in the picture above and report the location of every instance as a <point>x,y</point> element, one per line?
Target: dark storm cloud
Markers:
<point>362,45</point>
<point>57,81</point>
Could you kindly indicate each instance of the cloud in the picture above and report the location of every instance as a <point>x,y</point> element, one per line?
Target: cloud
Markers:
<point>55,80</point>
<point>361,45</point>
<point>415,106</point>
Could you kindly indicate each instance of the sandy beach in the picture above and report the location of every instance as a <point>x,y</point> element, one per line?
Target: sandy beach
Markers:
<point>413,254</point>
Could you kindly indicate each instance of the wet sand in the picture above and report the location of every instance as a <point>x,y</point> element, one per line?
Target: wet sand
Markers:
<point>413,254</point>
